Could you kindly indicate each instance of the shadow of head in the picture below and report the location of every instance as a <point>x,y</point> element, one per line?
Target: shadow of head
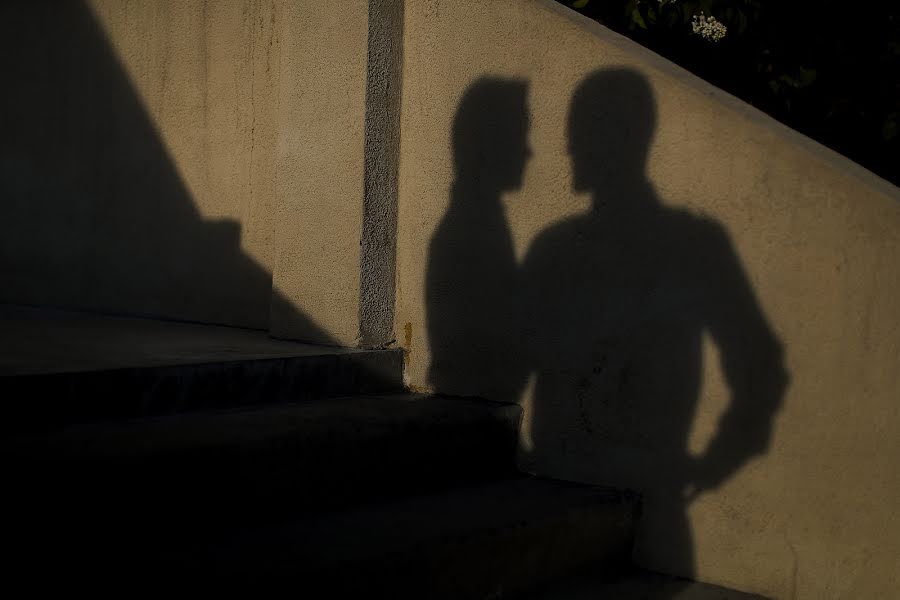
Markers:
<point>611,124</point>
<point>490,134</point>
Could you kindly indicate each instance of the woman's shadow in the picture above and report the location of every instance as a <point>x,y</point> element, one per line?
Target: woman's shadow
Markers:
<point>472,278</point>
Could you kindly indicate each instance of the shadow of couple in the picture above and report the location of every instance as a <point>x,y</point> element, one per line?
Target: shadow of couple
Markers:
<point>605,315</point>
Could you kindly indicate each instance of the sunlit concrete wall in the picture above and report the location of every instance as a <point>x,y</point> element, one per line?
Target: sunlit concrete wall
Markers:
<point>337,139</point>
<point>320,162</point>
<point>812,513</point>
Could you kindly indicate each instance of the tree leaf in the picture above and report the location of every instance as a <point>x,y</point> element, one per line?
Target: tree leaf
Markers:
<point>891,128</point>
<point>807,76</point>
<point>637,18</point>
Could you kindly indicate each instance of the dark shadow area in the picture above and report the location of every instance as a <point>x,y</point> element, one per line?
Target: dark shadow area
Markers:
<point>608,312</point>
<point>836,84</point>
<point>634,584</point>
<point>95,215</point>
<point>471,287</point>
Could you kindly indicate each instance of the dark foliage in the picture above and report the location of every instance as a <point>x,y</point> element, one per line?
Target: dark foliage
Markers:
<point>829,72</point>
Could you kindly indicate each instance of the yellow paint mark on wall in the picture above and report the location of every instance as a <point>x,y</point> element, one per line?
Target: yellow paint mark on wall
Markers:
<point>407,337</point>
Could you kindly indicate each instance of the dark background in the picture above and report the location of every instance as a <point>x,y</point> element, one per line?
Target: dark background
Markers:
<point>828,70</point>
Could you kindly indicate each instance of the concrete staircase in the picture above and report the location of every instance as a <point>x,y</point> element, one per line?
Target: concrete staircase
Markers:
<point>147,455</point>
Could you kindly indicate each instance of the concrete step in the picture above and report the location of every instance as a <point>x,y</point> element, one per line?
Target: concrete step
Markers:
<point>632,584</point>
<point>488,541</point>
<point>184,474</point>
<point>60,367</point>
<point>144,453</point>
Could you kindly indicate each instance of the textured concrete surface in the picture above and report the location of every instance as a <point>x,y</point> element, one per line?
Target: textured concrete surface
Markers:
<point>164,160</point>
<point>320,161</point>
<point>58,368</point>
<point>139,157</point>
<point>379,236</point>
<point>42,341</point>
<point>797,500</point>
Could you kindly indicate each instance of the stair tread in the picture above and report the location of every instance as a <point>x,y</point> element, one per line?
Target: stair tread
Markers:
<point>634,584</point>
<point>191,472</point>
<point>502,532</point>
<point>389,527</point>
<point>62,367</point>
<point>42,341</point>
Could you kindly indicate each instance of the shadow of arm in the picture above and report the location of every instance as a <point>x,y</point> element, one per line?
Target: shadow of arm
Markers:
<point>752,359</point>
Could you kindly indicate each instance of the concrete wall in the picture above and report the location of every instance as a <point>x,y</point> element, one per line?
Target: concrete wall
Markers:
<point>139,157</point>
<point>706,311</point>
<point>164,158</point>
<point>320,184</point>
<point>687,298</point>
<point>337,141</point>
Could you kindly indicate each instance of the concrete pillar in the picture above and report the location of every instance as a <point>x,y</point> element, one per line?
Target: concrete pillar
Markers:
<point>338,139</point>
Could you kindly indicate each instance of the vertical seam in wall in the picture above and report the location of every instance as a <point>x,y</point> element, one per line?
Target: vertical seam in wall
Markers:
<point>378,246</point>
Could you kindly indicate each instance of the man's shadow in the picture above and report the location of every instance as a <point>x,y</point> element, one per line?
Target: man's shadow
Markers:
<point>608,312</point>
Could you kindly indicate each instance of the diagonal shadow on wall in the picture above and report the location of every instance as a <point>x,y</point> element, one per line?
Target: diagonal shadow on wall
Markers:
<point>94,212</point>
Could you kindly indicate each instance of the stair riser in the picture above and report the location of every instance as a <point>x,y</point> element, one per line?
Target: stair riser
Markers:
<point>53,400</point>
<point>296,476</point>
<point>186,473</point>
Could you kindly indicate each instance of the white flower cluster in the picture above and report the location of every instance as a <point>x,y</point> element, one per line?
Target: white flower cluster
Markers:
<point>708,28</point>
